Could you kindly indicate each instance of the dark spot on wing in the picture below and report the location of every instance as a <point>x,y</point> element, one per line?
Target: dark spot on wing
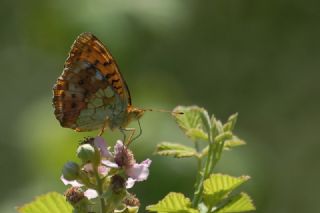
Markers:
<point>102,50</point>
<point>107,63</point>
<point>115,80</point>
<point>109,75</point>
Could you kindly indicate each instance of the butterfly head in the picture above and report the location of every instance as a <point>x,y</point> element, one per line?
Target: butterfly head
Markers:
<point>135,113</point>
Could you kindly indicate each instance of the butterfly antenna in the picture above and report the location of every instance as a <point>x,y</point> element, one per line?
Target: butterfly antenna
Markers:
<point>163,110</point>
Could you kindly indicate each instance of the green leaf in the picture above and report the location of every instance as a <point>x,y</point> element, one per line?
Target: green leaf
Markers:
<point>175,150</point>
<point>133,209</point>
<point>238,203</point>
<point>218,186</point>
<point>205,151</point>
<point>233,142</point>
<point>128,209</point>
<point>202,208</point>
<point>216,127</point>
<point>223,136</point>
<point>194,121</point>
<point>173,203</point>
<point>197,134</point>
<point>206,120</point>
<point>228,144</point>
<point>52,202</point>
<point>229,125</point>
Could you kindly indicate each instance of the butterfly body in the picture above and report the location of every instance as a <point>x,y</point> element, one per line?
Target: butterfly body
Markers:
<point>91,92</point>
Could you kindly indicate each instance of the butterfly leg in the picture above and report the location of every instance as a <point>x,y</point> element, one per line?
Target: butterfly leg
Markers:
<point>101,132</point>
<point>132,132</point>
<point>103,128</point>
<point>140,131</point>
<point>123,133</point>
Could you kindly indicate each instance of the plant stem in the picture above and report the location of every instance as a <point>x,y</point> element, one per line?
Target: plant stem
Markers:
<point>218,148</point>
<point>199,164</point>
<point>196,146</point>
<point>214,155</point>
<point>100,192</point>
<point>203,174</point>
<point>199,159</point>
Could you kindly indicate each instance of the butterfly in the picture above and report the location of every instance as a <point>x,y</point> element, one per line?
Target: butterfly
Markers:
<point>91,92</point>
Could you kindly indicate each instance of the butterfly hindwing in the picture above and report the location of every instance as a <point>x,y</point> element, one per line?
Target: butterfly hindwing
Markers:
<point>91,91</point>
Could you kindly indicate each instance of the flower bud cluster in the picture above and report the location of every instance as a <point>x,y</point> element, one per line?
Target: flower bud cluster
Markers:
<point>104,175</point>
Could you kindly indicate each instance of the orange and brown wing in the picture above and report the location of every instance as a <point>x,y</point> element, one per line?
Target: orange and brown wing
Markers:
<point>89,72</point>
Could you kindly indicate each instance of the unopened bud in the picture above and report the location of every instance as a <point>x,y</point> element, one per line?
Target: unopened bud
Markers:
<point>86,152</point>
<point>74,195</point>
<point>87,140</point>
<point>132,201</point>
<point>70,171</point>
<point>118,183</point>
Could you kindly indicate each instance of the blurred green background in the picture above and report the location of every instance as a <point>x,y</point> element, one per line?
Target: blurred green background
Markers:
<point>260,59</point>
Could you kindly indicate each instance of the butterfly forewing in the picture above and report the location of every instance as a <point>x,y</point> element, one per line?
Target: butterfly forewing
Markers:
<point>91,92</point>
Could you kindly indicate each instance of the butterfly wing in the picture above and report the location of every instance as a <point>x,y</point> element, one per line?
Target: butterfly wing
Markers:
<point>91,91</point>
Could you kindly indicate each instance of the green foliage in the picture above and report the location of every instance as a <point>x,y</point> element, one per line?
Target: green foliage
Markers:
<point>191,122</point>
<point>212,192</point>
<point>234,141</point>
<point>128,209</point>
<point>197,134</point>
<point>216,126</point>
<point>228,144</point>
<point>229,125</point>
<point>217,187</point>
<point>173,203</point>
<point>52,202</point>
<point>223,136</point>
<point>176,150</point>
<point>238,203</point>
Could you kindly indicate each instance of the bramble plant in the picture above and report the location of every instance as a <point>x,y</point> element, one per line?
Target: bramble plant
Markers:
<point>102,179</point>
